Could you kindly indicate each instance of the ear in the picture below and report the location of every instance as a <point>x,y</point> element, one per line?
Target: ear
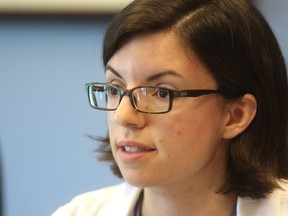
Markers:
<point>241,113</point>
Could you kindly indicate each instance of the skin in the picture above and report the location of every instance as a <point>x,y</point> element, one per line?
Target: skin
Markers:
<point>187,162</point>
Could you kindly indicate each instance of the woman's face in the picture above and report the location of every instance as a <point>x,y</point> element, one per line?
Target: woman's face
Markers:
<point>182,146</point>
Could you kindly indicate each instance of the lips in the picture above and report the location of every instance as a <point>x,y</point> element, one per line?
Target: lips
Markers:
<point>130,151</point>
<point>132,146</point>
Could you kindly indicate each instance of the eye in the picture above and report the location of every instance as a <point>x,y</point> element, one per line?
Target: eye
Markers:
<point>112,91</point>
<point>161,93</point>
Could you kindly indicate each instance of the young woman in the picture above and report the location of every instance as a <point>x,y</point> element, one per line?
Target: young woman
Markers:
<point>197,98</point>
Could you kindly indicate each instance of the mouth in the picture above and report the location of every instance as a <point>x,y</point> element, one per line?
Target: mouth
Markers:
<point>135,149</point>
<point>130,151</point>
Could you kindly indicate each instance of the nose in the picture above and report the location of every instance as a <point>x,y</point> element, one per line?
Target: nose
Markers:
<point>127,116</point>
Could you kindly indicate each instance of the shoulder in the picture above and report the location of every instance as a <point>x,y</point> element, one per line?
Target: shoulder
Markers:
<point>106,201</point>
<point>275,203</point>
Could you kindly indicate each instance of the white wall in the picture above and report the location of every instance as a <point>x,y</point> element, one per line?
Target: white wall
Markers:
<point>44,112</point>
<point>62,6</point>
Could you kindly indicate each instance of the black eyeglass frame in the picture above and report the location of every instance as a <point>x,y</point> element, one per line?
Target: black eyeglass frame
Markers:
<point>129,92</point>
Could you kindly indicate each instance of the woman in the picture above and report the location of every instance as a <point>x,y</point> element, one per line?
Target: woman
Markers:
<point>197,98</point>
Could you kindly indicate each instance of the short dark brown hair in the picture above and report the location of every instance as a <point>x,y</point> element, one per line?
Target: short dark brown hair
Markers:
<point>235,42</point>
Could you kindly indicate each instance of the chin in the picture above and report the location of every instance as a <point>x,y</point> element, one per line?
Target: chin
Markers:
<point>137,179</point>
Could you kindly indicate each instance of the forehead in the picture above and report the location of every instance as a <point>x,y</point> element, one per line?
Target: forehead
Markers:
<point>147,54</point>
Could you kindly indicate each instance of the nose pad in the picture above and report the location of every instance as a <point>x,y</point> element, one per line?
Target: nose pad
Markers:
<point>131,97</point>
<point>127,101</point>
<point>133,101</point>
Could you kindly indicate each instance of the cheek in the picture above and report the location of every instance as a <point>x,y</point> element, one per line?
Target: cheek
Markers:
<point>109,118</point>
<point>189,139</point>
<point>181,126</point>
<point>111,125</point>
<point>200,128</point>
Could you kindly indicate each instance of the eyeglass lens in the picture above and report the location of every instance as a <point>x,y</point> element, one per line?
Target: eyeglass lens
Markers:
<point>146,99</point>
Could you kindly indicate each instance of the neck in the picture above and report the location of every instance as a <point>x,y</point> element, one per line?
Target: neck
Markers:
<point>182,201</point>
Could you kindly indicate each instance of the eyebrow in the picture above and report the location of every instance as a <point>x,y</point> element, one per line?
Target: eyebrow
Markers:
<point>161,74</point>
<point>150,78</point>
<point>108,67</point>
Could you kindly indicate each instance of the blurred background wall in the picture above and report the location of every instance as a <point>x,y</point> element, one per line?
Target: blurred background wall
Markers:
<point>44,113</point>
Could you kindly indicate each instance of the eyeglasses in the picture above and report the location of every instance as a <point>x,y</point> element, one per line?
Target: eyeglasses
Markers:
<point>145,99</point>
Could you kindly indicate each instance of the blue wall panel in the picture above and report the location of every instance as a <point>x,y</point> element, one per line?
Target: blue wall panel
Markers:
<point>45,116</point>
<point>44,113</point>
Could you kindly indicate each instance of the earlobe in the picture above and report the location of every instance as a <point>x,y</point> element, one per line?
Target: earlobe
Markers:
<point>241,114</point>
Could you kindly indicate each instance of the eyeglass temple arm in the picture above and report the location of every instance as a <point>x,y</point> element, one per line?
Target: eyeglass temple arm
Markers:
<point>193,93</point>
